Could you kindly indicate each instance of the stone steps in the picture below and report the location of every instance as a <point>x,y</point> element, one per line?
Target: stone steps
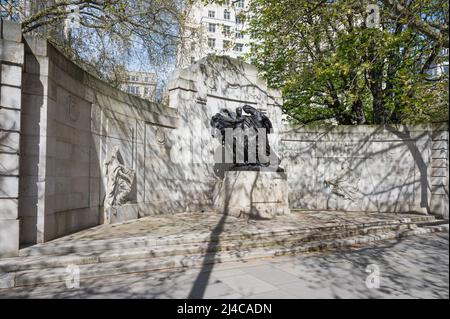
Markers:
<point>436,222</point>
<point>89,246</point>
<point>187,248</point>
<point>51,275</point>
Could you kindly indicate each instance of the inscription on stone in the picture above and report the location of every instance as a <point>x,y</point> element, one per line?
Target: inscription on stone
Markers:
<point>73,108</point>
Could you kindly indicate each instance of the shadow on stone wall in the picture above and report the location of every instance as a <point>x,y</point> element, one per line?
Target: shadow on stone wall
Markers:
<point>32,146</point>
<point>382,169</point>
<point>419,160</point>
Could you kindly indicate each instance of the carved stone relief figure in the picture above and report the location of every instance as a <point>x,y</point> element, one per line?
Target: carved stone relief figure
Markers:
<point>344,183</point>
<point>119,180</point>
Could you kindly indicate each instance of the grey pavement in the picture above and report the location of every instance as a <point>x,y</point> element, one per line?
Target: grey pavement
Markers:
<point>414,267</point>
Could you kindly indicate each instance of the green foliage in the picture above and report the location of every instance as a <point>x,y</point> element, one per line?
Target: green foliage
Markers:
<point>331,66</point>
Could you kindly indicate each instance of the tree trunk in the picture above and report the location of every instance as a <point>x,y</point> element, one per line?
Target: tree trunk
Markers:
<point>358,110</point>
<point>397,114</point>
<point>376,87</point>
<point>379,116</point>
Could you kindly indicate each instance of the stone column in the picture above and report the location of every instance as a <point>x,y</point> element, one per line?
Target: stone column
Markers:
<point>34,185</point>
<point>439,171</point>
<point>11,64</point>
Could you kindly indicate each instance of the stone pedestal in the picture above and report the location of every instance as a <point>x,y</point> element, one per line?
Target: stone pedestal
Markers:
<point>119,214</point>
<point>254,194</point>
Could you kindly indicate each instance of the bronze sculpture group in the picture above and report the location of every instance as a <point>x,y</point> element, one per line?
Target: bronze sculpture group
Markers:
<point>251,130</point>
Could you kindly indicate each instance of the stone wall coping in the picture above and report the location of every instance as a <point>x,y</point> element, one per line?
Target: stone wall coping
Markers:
<point>11,52</point>
<point>10,31</point>
<point>186,79</point>
<point>365,129</point>
<point>140,113</point>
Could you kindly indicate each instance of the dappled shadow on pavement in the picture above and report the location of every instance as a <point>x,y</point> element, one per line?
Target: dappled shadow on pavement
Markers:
<point>414,267</point>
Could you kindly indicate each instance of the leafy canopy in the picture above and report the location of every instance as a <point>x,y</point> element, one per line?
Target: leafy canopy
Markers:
<point>332,65</point>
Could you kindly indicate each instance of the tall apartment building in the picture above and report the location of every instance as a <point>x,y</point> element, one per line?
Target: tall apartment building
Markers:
<point>214,29</point>
<point>142,84</point>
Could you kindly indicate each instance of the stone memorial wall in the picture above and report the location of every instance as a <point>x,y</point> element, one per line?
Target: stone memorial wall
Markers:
<point>72,124</point>
<point>76,153</point>
<point>368,168</point>
<point>198,93</point>
<point>69,124</point>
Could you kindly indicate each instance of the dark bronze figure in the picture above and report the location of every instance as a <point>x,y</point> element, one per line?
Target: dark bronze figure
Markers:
<point>250,126</point>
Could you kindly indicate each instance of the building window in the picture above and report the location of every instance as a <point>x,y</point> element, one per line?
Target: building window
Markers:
<point>226,2</point>
<point>226,30</point>
<point>227,15</point>
<point>239,35</point>
<point>211,14</point>
<point>146,91</point>
<point>138,91</point>
<point>240,3</point>
<point>211,43</point>
<point>239,47</point>
<point>239,20</point>
<point>147,79</point>
<point>212,27</point>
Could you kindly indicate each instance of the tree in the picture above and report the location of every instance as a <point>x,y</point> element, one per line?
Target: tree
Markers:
<point>331,64</point>
<point>431,20</point>
<point>105,34</point>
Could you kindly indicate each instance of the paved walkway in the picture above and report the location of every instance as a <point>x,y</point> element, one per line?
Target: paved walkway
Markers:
<point>415,267</point>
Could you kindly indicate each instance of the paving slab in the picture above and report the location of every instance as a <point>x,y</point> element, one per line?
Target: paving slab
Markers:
<point>271,274</point>
<point>275,294</point>
<point>248,284</point>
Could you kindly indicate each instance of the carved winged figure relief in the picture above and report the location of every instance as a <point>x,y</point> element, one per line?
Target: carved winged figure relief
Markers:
<point>119,180</point>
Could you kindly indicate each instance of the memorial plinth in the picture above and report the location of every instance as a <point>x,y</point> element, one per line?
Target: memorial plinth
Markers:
<point>252,194</point>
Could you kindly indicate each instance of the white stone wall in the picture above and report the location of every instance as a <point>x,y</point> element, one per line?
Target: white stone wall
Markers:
<point>70,124</point>
<point>11,61</point>
<point>33,143</point>
<point>368,168</point>
<point>439,171</point>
